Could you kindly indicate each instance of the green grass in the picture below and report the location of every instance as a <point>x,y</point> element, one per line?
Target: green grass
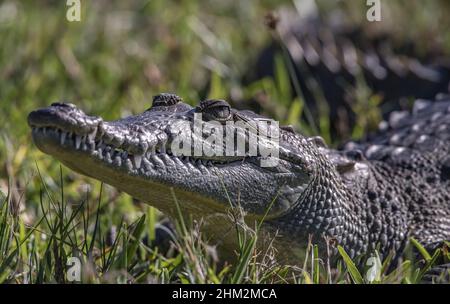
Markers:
<point>38,253</point>
<point>111,63</point>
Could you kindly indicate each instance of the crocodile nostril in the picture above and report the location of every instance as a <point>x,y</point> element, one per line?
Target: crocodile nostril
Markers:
<point>63,104</point>
<point>166,99</point>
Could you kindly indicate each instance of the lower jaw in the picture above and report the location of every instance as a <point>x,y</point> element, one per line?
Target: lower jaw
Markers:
<point>148,186</point>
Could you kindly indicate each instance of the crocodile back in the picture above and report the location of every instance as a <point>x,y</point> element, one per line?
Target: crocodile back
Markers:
<point>418,140</point>
<point>409,188</point>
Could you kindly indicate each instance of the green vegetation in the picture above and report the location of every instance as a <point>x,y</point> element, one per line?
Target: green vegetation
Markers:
<point>111,63</point>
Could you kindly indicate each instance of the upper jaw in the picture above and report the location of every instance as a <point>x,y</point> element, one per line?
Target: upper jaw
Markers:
<point>64,129</point>
<point>67,119</point>
<point>64,116</point>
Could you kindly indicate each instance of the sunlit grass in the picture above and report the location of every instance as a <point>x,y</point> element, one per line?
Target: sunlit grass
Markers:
<point>38,252</point>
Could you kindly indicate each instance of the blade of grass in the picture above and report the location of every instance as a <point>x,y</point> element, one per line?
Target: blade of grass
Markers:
<point>421,249</point>
<point>353,271</point>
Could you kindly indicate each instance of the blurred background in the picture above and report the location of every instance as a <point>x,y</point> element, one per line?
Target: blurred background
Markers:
<point>317,65</point>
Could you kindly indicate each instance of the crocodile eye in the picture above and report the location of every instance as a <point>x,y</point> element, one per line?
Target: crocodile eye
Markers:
<point>166,99</point>
<point>215,109</point>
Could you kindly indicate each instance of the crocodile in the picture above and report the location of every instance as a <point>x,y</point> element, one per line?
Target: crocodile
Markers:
<point>369,195</point>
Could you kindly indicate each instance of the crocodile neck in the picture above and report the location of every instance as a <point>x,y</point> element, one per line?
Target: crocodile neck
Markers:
<point>328,211</point>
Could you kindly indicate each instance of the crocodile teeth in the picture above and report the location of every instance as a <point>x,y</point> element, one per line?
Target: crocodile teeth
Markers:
<point>118,161</point>
<point>63,138</point>
<point>77,141</point>
<point>100,153</point>
<point>128,164</point>
<point>91,136</point>
<point>137,160</point>
<point>108,157</point>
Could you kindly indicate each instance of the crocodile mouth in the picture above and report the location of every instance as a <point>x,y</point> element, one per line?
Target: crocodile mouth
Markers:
<point>56,141</point>
<point>88,154</point>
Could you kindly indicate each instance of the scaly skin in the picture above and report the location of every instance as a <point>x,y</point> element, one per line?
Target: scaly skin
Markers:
<point>370,194</point>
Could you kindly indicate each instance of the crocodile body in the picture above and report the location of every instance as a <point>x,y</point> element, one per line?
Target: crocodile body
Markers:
<point>375,193</point>
<point>331,57</point>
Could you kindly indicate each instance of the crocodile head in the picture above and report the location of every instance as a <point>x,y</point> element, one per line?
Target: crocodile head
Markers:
<point>158,157</point>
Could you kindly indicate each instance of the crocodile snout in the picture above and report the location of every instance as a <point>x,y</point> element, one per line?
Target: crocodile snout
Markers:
<point>64,116</point>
